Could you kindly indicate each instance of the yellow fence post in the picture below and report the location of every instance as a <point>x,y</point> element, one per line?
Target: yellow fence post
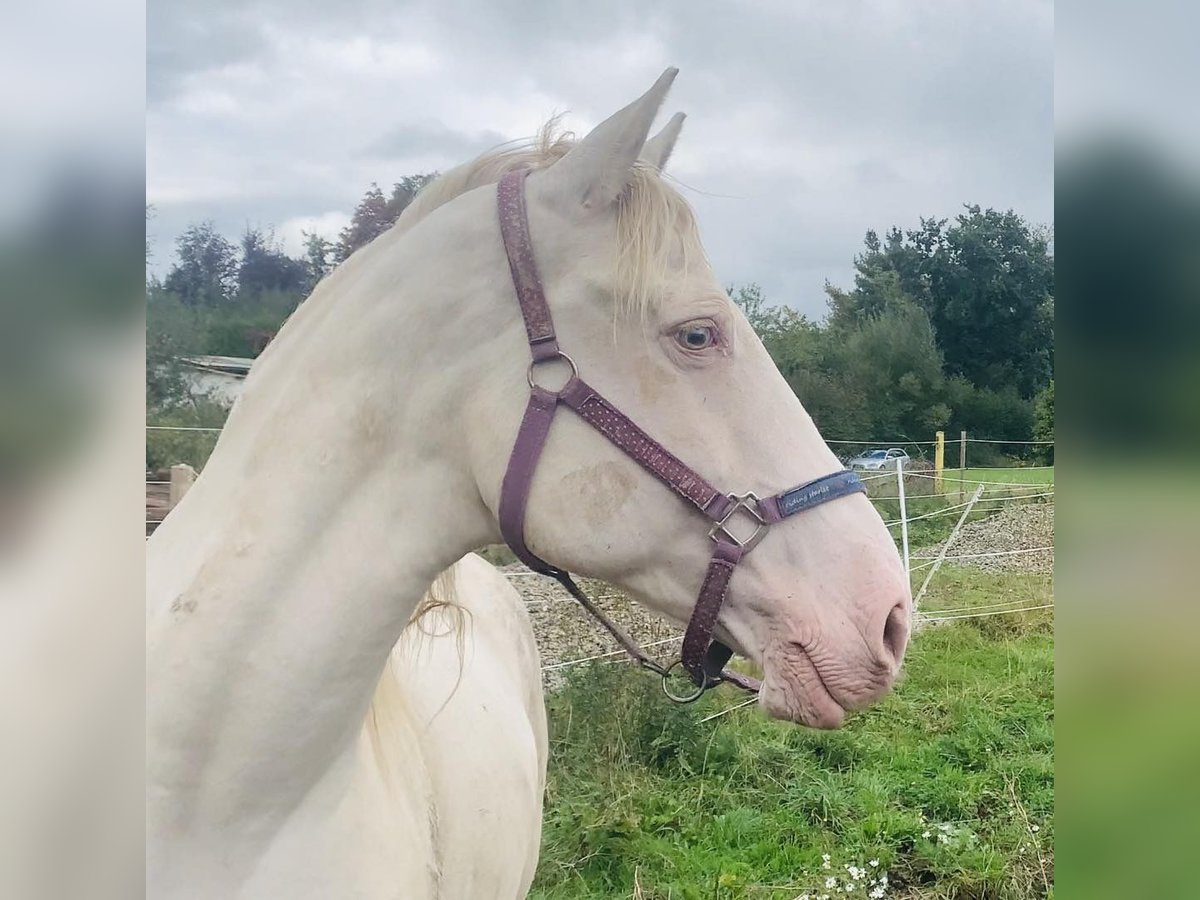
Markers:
<point>962,465</point>
<point>939,461</point>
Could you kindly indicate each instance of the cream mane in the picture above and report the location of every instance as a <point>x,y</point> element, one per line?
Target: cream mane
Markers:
<point>657,236</point>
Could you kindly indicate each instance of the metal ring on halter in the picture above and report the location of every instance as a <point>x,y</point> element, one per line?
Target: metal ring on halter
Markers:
<point>681,698</point>
<point>558,354</point>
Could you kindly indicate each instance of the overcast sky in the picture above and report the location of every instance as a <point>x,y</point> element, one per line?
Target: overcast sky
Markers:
<point>808,122</point>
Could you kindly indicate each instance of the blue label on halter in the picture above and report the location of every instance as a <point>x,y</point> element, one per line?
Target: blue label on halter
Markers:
<point>822,490</point>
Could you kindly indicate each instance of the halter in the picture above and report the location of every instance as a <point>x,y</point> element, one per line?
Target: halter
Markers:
<point>702,657</point>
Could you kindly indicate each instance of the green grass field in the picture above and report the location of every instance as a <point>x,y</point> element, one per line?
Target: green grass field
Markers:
<point>1005,475</point>
<point>947,784</point>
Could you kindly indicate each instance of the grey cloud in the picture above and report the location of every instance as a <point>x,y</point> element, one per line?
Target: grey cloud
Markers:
<point>806,125</point>
<point>182,43</point>
<point>431,138</point>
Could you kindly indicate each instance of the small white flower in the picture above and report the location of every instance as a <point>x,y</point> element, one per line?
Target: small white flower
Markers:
<point>1033,828</point>
<point>876,894</point>
<point>830,882</point>
<point>824,860</point>
<point>874,864</point>
<point>924,834</point>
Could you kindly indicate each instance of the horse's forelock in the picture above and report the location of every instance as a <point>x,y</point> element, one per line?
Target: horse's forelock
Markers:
<point>658,240</point>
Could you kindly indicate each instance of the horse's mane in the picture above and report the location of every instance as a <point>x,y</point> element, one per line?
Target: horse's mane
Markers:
<point>442,594</point>
<point>388,702</point>
<point>657,236</point>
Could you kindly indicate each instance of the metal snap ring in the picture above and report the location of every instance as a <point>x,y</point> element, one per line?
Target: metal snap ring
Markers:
<point>680,698</point>
<point>558,354</point>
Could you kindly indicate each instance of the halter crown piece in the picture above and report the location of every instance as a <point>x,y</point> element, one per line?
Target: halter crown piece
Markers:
<point>702,657</point>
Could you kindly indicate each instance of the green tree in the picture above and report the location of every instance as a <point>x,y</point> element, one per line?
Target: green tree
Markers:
<point>206,266</point>
<point>986,282</point>
<point>765,319</point>
<point>265,267</point>
<point>991,283</point>
<point>166,386</point>
<point>173,329</point>
<point>376,213</point>
<point>892,362</point>
<point>1043,420</point>
<point>318,257</point>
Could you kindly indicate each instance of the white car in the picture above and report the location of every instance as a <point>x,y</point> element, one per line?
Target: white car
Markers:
<point>878,459</point>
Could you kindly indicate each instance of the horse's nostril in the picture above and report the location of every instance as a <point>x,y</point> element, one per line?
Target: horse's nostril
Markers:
<point>895,634</point>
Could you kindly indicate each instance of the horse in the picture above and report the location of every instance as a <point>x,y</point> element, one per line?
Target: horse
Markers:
<point>370,449</point>
<point>468,665</point>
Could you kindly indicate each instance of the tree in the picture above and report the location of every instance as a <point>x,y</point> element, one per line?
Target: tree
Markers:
<point>991,413</point>
<point>768,321</point>
<point>173,330</point>
<point>986,282</point>
<point>1043,420</point>
<point>318,257</point>
<point>892,363</point>
<point>265,267</point>
<point>369,220</point>
<point>877,291</point>
<point>206,268</point>
<point>166,386</point>
<point>375,213</point>
<point>991,280</point>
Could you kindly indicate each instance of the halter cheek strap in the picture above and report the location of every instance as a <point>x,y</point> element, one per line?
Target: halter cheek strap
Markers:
<point>702,658</point>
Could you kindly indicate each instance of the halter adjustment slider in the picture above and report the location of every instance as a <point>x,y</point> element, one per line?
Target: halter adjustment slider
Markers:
<point>748,503</point>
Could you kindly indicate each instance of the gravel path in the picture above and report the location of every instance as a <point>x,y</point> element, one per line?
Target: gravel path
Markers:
<point>1017,527</point>
<point>566,632</point>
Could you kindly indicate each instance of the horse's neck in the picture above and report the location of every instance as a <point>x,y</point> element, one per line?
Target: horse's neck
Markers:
<point>280,584</point>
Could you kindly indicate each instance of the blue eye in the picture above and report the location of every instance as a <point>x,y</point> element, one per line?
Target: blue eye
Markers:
<point>696,337</point>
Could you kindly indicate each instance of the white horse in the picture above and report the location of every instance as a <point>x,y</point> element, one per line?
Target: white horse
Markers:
<point>464,684</point>
<point>366,455</point>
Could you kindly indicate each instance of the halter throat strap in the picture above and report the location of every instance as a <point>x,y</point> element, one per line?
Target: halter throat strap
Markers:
<point>702,657</point>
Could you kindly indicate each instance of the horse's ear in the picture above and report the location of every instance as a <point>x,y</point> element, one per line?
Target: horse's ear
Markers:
<point>658,149</point>
<point>597,170</point>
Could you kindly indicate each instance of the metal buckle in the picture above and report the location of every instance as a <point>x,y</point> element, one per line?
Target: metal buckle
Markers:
<point>558,354</point>
<point>682,698</point>
<point>749,503</point>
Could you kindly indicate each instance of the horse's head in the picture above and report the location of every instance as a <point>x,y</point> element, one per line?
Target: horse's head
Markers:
<point>822,603</point>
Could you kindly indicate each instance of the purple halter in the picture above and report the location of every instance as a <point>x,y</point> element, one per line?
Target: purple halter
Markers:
<point>702,657</point>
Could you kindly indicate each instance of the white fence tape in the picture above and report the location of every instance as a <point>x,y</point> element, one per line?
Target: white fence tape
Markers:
<point>936,617</point>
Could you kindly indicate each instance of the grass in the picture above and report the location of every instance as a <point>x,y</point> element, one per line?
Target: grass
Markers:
<point>963,590</point>
<point>948,783</point>
<point>1005,474</point>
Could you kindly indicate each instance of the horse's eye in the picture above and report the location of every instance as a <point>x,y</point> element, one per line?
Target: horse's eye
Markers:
<point>696,337</point>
